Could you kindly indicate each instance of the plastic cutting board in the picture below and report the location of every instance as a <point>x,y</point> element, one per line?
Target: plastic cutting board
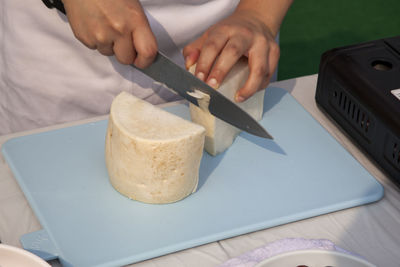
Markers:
<point>255,184</point>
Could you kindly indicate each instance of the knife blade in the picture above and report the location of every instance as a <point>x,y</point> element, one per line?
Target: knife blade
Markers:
<point>184,83</point>
<point>165,71</point>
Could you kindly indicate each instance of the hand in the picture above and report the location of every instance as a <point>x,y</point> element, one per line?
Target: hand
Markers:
<point>113,27</point>
<point>219,48</point>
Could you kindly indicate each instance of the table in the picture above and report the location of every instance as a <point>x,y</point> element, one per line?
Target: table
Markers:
<point>372,230</point>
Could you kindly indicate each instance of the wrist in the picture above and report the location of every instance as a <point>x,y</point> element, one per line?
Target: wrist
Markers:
<point>267,25</point>
<point>270,12</point>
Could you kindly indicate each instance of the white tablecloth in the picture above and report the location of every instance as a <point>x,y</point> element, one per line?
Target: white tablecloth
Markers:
<point>372,231</point>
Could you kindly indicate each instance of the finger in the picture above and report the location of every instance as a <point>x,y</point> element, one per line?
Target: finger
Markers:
<point>274,54</point>
<point>84,37</point>
<point>104,41</point>
<point>234,49</point>
<point>105,49</point>
<point>258,71</point>
<point>89,43</point>
<point>191,52</point>
<point>192,58</point>
<point>146,46</point>
<point>210,50</point>
<point>124,50</point>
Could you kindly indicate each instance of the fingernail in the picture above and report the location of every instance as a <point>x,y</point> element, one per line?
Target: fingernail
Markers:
<point>187,62</point>
<point>200,75</point>
<point>239,98</point>
<point>213,83</point>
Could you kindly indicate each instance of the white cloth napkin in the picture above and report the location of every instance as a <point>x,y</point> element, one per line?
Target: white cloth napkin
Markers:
<point>257,255</point>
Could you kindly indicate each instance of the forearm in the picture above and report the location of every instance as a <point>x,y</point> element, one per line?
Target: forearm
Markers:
<point>271,12</point>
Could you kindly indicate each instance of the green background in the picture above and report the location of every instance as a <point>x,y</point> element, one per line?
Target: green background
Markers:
<point>312,27</point>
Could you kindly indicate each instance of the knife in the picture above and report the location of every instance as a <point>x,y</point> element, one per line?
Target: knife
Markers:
<point>184,83</point>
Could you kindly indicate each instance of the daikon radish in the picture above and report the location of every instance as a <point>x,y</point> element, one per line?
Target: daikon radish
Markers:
<point>152,155</point>
<point>219,134</point>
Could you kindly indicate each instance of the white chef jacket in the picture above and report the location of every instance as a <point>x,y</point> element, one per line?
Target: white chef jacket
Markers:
<point>47,76</point>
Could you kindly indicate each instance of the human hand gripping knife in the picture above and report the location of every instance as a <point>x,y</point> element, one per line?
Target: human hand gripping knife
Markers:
<point>184,83</point>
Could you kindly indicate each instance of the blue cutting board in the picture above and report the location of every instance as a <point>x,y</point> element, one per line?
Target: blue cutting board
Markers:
<point>255,184</point>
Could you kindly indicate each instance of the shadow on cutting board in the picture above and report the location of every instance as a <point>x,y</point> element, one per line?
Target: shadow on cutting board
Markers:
<point>209,163</point>
<point>207,166</point>
<point>273,96</point>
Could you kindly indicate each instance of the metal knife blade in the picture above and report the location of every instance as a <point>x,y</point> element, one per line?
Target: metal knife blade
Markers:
<point>165,71</point>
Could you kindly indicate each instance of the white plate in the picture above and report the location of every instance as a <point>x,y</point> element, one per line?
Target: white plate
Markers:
<point>314,258</point>
<point>16,257</point>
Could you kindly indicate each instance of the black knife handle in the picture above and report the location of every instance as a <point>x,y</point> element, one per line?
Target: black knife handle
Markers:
<point>55,4</point>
